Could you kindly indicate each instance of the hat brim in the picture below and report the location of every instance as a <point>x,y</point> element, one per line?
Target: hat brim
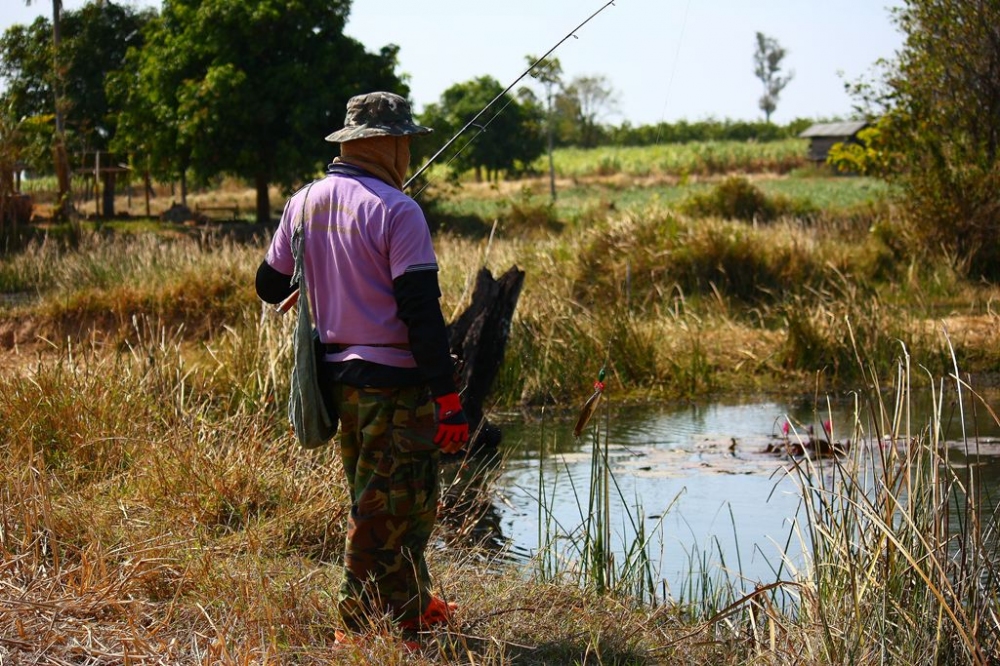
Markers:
<point>370,131</point>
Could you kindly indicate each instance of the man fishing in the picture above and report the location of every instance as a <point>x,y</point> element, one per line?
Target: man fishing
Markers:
<point>371,274</point>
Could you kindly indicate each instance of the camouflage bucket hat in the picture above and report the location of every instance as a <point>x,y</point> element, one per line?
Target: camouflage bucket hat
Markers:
<point>377,114</point>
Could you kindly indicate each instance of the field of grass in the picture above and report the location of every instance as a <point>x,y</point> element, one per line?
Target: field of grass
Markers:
<point>156,510</point>
<point>579,201</point>
<point>701,158</point>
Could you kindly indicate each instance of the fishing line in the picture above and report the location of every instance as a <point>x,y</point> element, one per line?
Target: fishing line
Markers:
<point>461,149</point>
<point>482,128</point>
<point>673,71</point>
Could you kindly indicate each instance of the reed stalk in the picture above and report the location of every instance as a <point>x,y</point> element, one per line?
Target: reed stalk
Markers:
<point>590,554</point>
<point>903,551</point>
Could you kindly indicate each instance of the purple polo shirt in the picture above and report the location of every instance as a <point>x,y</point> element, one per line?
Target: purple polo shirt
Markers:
<point>360,234</point>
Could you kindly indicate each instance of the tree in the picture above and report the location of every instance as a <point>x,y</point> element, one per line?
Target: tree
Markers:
<point>942,125</point>
<point>549,74</point>
<point>509,136</point>
<point>60,157</point>
<point>767,64</point>
<point>248,88</point>
<point>18,137</point>
<point>92,44</point>
<point>10,149</point>
<point>583,103</point>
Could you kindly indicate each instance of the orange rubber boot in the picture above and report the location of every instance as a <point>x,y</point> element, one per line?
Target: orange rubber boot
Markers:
<point>438,611</point>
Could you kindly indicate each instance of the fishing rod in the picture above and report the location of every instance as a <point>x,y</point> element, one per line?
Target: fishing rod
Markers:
<point>287,304</point>
<point>471,123</point>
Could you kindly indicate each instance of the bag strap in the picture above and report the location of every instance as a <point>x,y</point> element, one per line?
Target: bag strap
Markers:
<point>299,248</point>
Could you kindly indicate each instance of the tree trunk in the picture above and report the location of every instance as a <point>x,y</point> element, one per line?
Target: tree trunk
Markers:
<point>64,203</point>
<point>479,337</point>
<point>552,164</point>
<point>64,206</point>
<point>263,199</point>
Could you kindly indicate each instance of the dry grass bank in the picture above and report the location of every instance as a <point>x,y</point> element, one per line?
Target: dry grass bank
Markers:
<point>156,510</point>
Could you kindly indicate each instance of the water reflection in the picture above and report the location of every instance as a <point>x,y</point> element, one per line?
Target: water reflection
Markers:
<point>701,476</point>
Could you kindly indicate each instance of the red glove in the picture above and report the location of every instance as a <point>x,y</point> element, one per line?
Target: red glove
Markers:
<point>452,426</point>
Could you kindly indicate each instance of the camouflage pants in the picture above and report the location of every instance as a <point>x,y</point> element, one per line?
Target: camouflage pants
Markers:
<point>391,464</point>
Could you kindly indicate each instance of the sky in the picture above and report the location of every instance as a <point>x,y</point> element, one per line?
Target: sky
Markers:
<point>665,60</point>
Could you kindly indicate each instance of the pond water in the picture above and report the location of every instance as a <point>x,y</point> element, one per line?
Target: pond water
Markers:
<point>700,478</point>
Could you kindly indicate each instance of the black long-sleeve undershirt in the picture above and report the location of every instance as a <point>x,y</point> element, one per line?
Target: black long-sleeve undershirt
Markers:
<point>272,285</point>
<point>417,295</point>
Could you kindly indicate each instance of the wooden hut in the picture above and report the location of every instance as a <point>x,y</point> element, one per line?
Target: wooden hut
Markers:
<point>822,136</point>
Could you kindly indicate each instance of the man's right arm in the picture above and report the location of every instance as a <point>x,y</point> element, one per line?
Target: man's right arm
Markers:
<point>272,285</point>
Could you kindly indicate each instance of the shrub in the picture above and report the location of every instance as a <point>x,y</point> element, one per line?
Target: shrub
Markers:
<point>647,259</point>
<point>527,215</point>
<point>944,128</point>
<point>736,198</point>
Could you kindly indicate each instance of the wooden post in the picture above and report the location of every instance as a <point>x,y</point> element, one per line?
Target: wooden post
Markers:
<point>97,184</point>
<point>146,187</point>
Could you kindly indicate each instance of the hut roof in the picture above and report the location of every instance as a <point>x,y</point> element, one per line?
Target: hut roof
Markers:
<point>834,129</point>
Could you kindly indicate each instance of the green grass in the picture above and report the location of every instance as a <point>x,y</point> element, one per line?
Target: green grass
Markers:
<point>701,158</point>
<point>828,192</point>
<point>579,203</point>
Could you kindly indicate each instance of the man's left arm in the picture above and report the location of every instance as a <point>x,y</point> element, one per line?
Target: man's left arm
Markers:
<point>417,295</point>
<point>273,283</point>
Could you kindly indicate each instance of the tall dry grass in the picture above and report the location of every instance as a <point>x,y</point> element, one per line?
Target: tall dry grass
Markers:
<point>143,509</point>
<point>156,510</point>
<point>694,306</point>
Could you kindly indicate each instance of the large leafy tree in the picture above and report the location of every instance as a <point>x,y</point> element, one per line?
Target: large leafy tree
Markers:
<point>27,97</point>
<point>26,69</point>
<point>61,159</point>
<point>95,40</point>
<point>507,138</point>
<point>68,89</point>
<point>247,87</point>
<point>942,127</point>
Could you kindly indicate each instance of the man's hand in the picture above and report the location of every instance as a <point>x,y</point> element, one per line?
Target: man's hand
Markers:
<point>452,426</point>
